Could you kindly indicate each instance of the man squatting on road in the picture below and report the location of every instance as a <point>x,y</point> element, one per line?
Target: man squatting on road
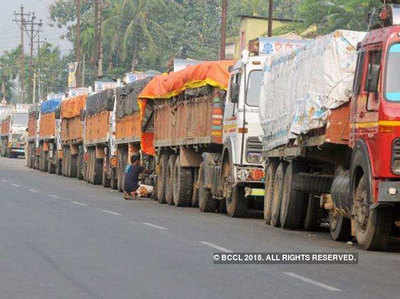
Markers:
<point>132,173</point>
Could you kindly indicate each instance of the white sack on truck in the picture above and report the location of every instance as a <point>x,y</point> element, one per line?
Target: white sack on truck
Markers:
<point>300,88</point>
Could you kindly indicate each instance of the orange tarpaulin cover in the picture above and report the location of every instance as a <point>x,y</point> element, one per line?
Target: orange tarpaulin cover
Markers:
<point>166,86</point>
<point>72,107</point>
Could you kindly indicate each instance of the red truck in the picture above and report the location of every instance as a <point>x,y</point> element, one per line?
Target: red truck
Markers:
<point>348,164</point>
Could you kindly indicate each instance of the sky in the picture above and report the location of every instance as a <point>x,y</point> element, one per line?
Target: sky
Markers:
<point>9,31</point>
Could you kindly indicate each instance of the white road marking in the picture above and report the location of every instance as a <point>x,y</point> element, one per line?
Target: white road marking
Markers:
<point>16,185</point>
<point>111,212</point>
<point>79,203</point>
<point>311,281</point>
<point>216,247</point>
<point>33,190</point>
<point>4,180</point>
<point>54,196</point>
<point>155,226</point>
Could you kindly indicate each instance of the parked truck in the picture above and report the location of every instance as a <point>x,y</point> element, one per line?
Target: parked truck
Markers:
<point>33,127</point>
<point>98,126</point>
<point>206,143</point>
<point>70,160</point>
<point>127,132</point>
<point>331,120</point>
<point>49,141</point>
<point>13,130</point>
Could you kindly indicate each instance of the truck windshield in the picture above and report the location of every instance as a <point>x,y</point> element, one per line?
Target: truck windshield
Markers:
<point>392,90</point>
<point>254,88</point>
<point>20,119</point>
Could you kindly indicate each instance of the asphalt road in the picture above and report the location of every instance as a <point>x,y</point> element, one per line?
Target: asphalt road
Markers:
<point>63,238</point>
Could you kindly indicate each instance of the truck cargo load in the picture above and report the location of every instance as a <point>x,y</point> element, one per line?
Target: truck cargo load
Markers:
<point>199,121</point>
<point>71,124</point>
<point>302,87</point>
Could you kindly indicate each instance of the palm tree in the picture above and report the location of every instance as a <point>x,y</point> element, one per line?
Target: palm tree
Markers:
<point>130,26</point>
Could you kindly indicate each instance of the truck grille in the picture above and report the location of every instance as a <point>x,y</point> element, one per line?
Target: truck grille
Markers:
<point>254,144</point>
<point>253,150</point>
<point>396,156</point>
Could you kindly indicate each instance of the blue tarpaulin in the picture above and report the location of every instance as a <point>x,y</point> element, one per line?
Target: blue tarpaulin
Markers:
<point>50,105</point>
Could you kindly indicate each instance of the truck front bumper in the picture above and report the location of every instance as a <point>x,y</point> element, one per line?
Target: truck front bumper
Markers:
<point>389,192</point>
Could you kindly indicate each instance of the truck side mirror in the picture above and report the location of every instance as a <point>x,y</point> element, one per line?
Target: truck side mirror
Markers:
<point>373,78</point>
<point>234,94</point>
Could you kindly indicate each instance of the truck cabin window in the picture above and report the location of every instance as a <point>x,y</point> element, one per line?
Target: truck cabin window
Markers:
<point>254,88</point>
<point>392,86</point>
<point>20,119</point>
<point>235,88</point>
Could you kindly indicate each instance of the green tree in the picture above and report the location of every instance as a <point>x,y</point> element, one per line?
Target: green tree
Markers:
<point>337,14</point>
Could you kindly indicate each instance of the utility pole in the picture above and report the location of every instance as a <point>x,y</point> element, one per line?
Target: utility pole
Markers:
<point>39,66</point>
<point>32,32</point>
<point>19,18</point>
<point>78,42</point>
<point>98,12</point>
<point>270,14</point>
<point>223,29</point>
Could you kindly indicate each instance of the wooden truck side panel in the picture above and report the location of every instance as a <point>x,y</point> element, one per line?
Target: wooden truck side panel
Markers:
<point>47,126</point>
<point>189,122</point>
<point>71,130</point>
<point>97,127</point>
<point>5,126</point>
<point>32,126</point>
<point>128,128</point>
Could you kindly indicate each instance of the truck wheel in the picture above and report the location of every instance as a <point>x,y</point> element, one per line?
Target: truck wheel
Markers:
<point>51,167</point>
<point>293,205</point>
<point>372,226</point>
<point>269,187</point>
<point>169,188</point>
<point>183,185</point>
<point>98,170</point>
<point>207,203</point>
<point>114,179</point>
<point>339,227</point>
<point>106,180</point>
<point>74,166</point>
<point>79,165</point>
<point>277,194</point>
<point>236,204</point>
<point>162,178</point>
<point>45,161</point>
<point>312,217</point>
<point>195,192</point>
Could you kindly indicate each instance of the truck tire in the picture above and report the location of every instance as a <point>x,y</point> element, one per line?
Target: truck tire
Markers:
<point>45,161</point>
<point>79,166</point>
<point>269,187</point>
<point>207,203</point>
<point>195,192</point>
<point>183,185</point>
<point>114,179</point>
<point>162,178</point>
<point>73,165</point>
<point>169,188</point>
<point>293,205</point>
<point>277,194</point>
<point>98,170</point>
<point>312,219</point>
<point>313,183</point>
<point>106,179</point>
<point>236,205</point>
<point>372,226</point>
<point>51,167</point>
<point>339,227</point>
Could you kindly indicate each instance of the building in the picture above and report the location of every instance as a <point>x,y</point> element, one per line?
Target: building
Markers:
<point>251,27</point>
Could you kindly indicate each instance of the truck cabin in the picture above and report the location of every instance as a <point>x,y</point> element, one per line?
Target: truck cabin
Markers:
<point>376,106</point>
